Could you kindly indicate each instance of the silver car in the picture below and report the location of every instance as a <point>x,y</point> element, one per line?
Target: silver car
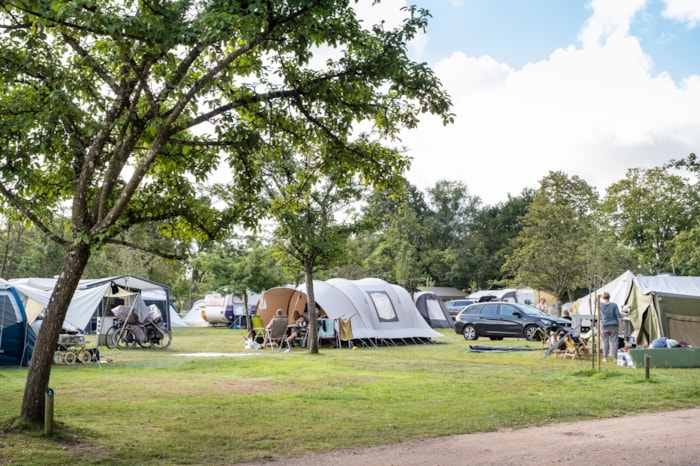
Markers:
<point>455,306</point>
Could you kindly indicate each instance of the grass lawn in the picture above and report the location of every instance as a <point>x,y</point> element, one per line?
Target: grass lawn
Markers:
<point>174,407</point>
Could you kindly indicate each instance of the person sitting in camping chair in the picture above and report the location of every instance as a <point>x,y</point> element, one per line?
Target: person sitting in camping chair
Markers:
<point>296,330</point>
<point>279,315</point>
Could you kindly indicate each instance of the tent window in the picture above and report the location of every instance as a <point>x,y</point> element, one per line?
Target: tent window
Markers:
<point>9,312</point>
<point>383,306</point>
<point>434,310</point>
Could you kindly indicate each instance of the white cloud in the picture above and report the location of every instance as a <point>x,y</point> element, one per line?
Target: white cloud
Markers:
<point>592,111</point>
<point>685,11</point>
<point>609,19</point>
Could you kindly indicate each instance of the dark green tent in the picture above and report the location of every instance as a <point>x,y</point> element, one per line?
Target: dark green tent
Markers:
<point>665,306</point>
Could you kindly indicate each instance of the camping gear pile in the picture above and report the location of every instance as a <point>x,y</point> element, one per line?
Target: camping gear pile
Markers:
<point>148,331</point>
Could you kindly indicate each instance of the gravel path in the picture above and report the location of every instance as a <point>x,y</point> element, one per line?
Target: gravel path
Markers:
<point>669,439</point>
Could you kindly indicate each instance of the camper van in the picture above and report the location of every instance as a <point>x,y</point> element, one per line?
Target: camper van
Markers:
<point>508,295</point>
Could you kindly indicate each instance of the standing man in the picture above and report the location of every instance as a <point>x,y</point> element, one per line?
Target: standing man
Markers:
<point>611,322</point>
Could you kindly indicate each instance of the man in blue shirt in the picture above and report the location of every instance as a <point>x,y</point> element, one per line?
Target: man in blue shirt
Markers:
<point>610,322</point>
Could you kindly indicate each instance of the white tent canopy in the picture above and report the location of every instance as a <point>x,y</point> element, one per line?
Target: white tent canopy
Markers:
<point>87,296</point>
<point>160,296</point>
<point>375,308</point>
<point>194,318</point>
<point>669,284</point>
<point>619,290</point>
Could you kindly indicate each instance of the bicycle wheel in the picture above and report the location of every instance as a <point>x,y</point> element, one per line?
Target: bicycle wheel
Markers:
<point>125,339</point>
<point>109,336</point>
<point>164,341</point>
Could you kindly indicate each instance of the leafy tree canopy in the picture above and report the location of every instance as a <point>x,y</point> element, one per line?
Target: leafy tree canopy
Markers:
<point>647,210</point>
<point>550,251</point>
<point>115,110</point>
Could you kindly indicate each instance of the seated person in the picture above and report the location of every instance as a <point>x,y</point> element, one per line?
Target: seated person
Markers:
<point>297,329</point>
<point>278,315</point>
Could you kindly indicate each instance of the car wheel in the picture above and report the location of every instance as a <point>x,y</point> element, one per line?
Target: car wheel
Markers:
<point>469,332</point>
<point>531,332</point>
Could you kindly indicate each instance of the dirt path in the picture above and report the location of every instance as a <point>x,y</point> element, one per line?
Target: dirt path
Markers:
<point>669,439</point>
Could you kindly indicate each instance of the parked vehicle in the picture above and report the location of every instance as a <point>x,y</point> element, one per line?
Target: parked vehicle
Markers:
<point>455,306</point>
<point>509,295</point>
<point>497,320</point>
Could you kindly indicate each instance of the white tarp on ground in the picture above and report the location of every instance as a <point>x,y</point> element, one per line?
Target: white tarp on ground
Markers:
<point>619,290</point>
<point>87,297</point>
<point>376,309</point>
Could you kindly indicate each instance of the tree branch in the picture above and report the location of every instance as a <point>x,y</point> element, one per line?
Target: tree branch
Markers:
<point>165,255</point>
<point>30,214</point>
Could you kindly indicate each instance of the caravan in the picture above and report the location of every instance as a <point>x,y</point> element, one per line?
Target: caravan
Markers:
<point>508,295</point>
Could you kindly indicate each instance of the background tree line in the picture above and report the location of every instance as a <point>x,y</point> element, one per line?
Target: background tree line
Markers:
<point>560,237</point>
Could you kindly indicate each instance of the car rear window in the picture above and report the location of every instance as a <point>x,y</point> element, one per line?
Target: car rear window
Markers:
<point>490,309</point>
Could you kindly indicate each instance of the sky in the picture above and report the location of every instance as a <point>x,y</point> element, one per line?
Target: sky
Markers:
<point>591,88</point>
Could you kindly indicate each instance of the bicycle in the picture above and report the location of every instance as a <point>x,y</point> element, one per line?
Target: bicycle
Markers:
<point>124,336</point>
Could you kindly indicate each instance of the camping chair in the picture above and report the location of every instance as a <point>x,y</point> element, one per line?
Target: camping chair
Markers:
<point>581,346</point>
<point>570,348</point>
<point>574,348</point>
<point>326,331</point>
<point>277,333</point>
<point>586,337</point>
<point>544,338</point>
<point>259,331</point>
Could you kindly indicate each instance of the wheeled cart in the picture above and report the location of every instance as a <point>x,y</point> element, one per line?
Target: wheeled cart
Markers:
<point>71,349</point>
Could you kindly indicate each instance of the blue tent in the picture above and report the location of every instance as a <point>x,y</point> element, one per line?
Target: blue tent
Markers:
<point>16,335</point>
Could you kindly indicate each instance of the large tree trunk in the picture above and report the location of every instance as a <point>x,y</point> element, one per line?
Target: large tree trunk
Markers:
<point>311,306</point>
<point>42,357</point>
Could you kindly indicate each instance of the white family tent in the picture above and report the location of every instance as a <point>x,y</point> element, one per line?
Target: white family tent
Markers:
<point>16,335</point>
<point>433,310</point>
<point>93,299</point>
<point>194,318</point>
<point>378,312</point>
<point>619,290</point>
